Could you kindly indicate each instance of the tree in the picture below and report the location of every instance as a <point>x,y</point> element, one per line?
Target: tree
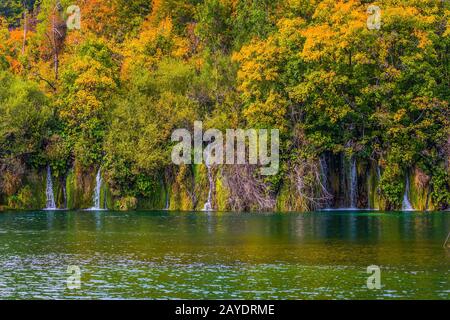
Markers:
<point>24,118</point>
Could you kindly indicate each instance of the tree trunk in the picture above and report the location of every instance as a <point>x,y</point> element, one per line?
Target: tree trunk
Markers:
<point>25,27</point>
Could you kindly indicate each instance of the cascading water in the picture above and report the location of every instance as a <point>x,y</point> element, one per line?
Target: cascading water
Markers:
<point>50,205</point>
<point>97,190</point>
<point>406,205</point>
<point>324,175</point>
<point>353,185</point>
<point>167,201</point>
<point>208,204</point>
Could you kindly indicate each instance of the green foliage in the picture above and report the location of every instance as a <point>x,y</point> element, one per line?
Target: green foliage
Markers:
<point>137,70</point>
<point>440,182</point>
<point>392,186</point>
<point>126,203</point>
<point>24,118</point>
<point>88,81</point>
<point>138,143</point>
<point>13,10</point>
<point>214,25</point>
<point>252,19</point>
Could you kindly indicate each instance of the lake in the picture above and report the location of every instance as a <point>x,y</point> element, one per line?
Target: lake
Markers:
<point>199,255</point>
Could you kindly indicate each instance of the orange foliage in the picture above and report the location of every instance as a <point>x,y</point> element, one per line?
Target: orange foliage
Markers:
<point>99,16</point>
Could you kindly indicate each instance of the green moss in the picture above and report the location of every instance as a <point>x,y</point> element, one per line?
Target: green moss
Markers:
<point>419,194</point>
<point>181,188</point>
<point>373,188</point>
<point>283,199</point>
<point>31,195</point>
<point>155,201</point>
<point>58,190</point>
<point>106,197</point>
<point>222,194</point>
<point>126,203</point>
<point>201,185</point>
<point>80,187</point>
<point>37,183</point>
<point>288,199</point>
<point>70,190</point>
<point>392,187</point>
<point>25,197</point>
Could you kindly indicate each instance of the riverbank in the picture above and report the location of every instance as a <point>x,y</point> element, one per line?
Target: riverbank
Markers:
<point>341,183</point>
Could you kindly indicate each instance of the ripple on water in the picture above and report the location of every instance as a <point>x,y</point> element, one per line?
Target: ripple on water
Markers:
<point>242,256</point>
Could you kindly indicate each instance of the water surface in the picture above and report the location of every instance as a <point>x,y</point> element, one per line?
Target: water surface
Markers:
<point>198,255</point>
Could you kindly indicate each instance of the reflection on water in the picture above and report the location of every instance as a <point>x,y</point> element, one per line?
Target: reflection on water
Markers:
<point>224,255</point>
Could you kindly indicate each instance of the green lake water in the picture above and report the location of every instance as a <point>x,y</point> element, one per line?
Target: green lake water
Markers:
<point>198,255</point>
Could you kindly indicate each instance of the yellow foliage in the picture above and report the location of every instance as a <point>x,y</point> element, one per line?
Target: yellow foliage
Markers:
<point>269,113</point>
<point>152,44</point>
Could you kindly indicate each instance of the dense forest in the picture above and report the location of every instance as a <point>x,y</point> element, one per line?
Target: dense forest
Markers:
<point>363,112</point>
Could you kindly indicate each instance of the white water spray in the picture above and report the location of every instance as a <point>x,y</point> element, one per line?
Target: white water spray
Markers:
<point>353,185</point>
<point>208,204</point>
<point>97,190</point>
<point>50,205</point>
<point>406,205</point>
<point>324,175</point>
<point>167,199</point>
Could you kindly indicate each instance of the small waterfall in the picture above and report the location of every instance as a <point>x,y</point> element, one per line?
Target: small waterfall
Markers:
<point>167,200</point>
<point>51,205</point>
<point>378,188</point>
<point>324,175</point>
<point>208,204</point>
<point>353,185</point>
<point>406,205</point>
<point>98,186</point>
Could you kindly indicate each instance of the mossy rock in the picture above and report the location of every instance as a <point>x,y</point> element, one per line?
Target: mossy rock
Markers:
<point>155,201</point>
<point>283,199</point>
<point>80,188</point>
<point>106,197</point>
<point>126,203</point>
<point>288,200</point>
<point>419,194</point>
<point>201,185</point>
<point>373,188</point>
<point>37,183</point>
<point>222,193</point>
<point>31,196</point>
<point>182,186</point>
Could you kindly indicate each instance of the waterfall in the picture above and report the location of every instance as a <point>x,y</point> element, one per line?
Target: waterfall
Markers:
<point>208,204</point>
<point>51,205</point>
<point>324,175</point>
<point>406,205</point>
<point>353,185</point>
<point>167,200</point>
<point>378,184</point>
<point>324,172</point>
<point>98,186</point>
